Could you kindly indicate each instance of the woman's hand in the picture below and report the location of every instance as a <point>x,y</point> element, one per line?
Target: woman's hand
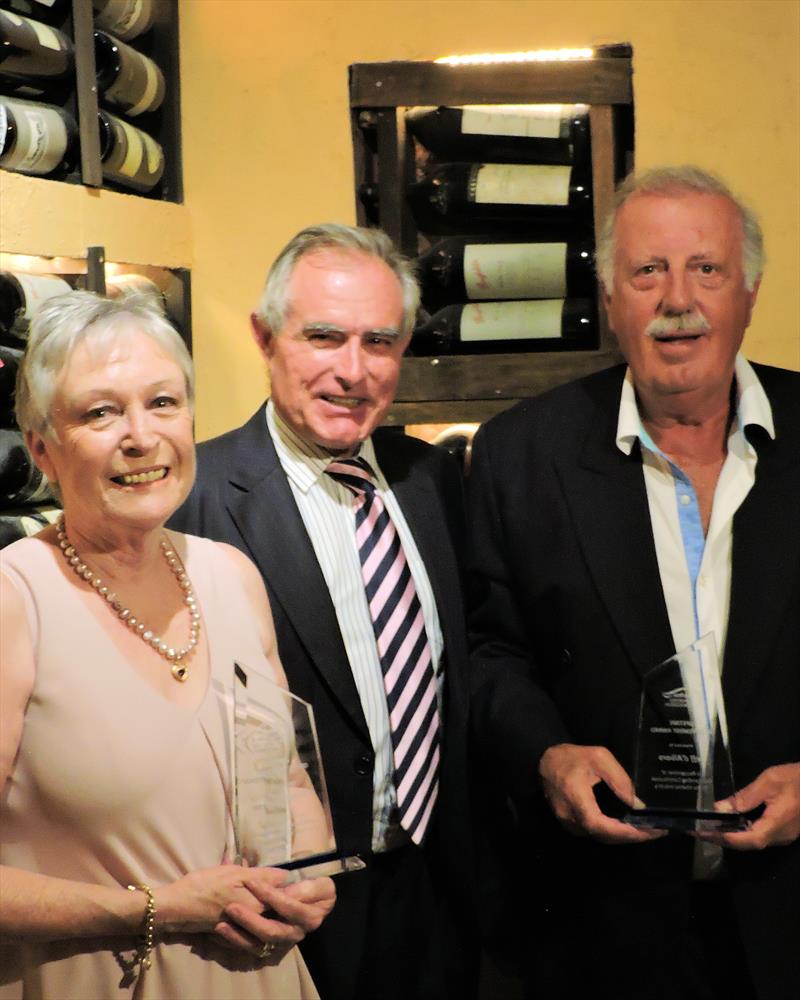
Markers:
<point>196,902</point>
<point>287,913</point>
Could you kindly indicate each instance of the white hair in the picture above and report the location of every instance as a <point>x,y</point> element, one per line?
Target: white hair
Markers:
<point>677,181</point>
<point>274,303</point>
<point>64,322</point>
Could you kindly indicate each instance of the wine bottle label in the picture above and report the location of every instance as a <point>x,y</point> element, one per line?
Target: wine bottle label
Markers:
<point>47,36</point>
<point>521,184</point>
<point>515,270</point>
<point>154,155</point>
<point>511,320</point>
<point>134,155</point>
<point>540,121</point>
<point>148,101</point>
<point>38,289</point>
<point>41,139</point>
<point>126,18</point>
<point>135,152</point>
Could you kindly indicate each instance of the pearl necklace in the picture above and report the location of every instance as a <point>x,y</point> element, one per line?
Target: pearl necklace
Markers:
<point>175,656</point>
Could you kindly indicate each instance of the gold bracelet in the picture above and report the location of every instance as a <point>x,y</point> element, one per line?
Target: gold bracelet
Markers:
<point>143,951</point>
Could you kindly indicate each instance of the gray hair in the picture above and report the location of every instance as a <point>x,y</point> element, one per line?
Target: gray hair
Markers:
<point>274,304</point>
<point>681,180</point>
<point>64,322</point>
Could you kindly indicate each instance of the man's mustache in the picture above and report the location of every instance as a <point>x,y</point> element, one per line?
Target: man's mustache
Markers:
<point>693,322</point>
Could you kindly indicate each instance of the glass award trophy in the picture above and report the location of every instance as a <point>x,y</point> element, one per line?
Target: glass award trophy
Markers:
<point>683,760</point>
<point>281,812</point>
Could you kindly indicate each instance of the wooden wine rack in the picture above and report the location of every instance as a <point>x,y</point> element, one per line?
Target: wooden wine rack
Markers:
<point>79,97</point>
<point>474,387</point>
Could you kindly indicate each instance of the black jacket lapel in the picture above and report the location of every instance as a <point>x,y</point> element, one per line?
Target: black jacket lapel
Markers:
<point>261,505</point>
<point>607,499</point>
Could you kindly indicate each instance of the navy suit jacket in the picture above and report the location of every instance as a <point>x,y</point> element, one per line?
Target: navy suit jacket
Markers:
<point>568,614</point>
<point>242,497</point>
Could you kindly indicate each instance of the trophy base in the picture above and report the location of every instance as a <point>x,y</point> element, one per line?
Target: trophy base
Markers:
<point>696,820</point>
<point>320,866</point>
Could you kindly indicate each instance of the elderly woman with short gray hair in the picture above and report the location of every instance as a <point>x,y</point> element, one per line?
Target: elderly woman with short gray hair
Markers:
<point>117,641</point>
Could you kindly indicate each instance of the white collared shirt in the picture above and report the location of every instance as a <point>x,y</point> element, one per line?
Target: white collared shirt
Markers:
<point>326,508</point>
<point>696,571</point>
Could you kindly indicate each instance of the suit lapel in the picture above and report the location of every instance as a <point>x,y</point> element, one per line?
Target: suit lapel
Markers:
<point>606,495</point>
<point>417,497</point>
<point>766,552</point>
<point>261,504</point>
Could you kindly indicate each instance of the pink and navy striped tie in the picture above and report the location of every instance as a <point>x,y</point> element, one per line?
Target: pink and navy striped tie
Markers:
<point>403,648</point>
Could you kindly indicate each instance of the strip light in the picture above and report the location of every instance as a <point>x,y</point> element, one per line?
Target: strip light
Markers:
<point>536,55</point>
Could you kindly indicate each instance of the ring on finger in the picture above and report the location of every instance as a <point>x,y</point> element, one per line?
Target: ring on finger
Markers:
<point>267,949</point>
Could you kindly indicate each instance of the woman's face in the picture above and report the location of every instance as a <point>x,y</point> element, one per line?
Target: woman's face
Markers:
<point>122,453</point>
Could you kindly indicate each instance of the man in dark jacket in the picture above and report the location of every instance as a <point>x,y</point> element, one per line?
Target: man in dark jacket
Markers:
<point>615,521</point>
<point>356,537</point>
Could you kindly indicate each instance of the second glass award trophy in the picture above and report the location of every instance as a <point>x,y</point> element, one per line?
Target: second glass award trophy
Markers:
<point>683,760</point>
<point>281,813</point>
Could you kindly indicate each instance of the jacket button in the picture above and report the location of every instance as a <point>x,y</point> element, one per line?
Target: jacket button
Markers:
<point>363,764</point>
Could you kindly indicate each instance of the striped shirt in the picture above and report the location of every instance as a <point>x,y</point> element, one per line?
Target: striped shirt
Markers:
<point>326,508</point>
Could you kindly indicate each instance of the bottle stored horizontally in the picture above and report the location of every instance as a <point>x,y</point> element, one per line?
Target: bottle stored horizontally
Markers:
<point>9,363</point>
<point>26,521</point>
<point>119,285</point>
<point>20,480</point>
<point>33,56</point>
<point>476,268</point>
<point>21,295</point>
<point>538,133</point>
<point>50,11</point>
<point>126,78</point>
<point>486,327</point>
<point>509,194</point>
<point>37,138</point>
<point>125,19</point>
<point>129,156</point>
<point>456,440</point>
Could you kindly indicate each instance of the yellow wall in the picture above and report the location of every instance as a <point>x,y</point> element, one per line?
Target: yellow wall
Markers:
<point>267,142</point>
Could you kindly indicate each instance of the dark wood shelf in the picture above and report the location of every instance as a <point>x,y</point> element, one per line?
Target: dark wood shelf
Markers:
<point>80,97</point>
<point>470,388</point>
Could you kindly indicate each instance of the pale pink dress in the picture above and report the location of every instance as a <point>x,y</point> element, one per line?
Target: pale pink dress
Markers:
<point>114,785</point>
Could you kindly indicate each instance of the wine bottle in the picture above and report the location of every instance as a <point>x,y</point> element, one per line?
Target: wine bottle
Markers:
<point>33,56</point>
<point>490,268</point>
<point>129,156</point>
<point>125,19</point>
<point>21,295</point>
<point>37,138</point>
<point>126,78</point>
<point>20,480</point>
<point>456,440</point>
<point>118,285</point>
<point>50,11</point>
<point>485,327</point>
<point>9,363</point>
<point>24,522</point>
<point>515,195</point>
<point>498,133</point>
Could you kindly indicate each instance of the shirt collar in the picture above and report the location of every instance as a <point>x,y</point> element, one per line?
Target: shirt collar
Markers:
<point>302,461</point>
<point>752,408</point>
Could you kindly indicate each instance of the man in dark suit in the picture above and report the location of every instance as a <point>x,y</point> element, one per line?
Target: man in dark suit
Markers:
<point>615,521</point>
<point>333,323</point>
